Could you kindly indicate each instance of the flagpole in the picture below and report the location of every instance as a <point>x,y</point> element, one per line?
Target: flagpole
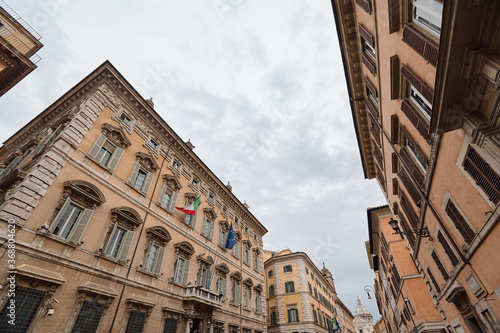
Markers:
<point>210,246</point>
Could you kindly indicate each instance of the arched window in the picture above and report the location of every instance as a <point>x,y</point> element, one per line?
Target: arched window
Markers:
<point>221,285</point>
<point>143,172</point>
<point>157,239</point>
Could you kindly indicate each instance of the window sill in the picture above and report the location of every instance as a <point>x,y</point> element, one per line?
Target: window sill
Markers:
<point>103,255</point>
<point>57,238</point>
<point>234,304</point>
<point>223,248</point>
<point>136,189</point>
<point>145,271</point>
<point>247,308</point>
<point>170,211</point>
<point>105,167</point>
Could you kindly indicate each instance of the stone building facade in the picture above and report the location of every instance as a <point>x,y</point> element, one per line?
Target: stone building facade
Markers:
<point>88,192</point>
<point>363,319</point>
<point>423,79</point>
<point>300,297</point>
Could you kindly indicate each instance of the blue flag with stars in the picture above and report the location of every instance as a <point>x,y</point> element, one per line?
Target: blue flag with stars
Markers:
<point>231,240</point>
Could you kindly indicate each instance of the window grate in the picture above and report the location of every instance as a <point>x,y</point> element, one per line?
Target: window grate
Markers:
<point>89,318</point>
<point>27,302</point>
<point>136,322</point>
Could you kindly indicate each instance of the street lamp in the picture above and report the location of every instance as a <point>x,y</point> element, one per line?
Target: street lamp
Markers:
<point>368,289</point>
<point>423,232</point>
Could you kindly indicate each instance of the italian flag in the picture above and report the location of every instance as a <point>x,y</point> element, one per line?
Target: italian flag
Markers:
<point>191,209</point>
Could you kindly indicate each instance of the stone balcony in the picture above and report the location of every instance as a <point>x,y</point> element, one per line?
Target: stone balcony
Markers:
<point>202,295</point>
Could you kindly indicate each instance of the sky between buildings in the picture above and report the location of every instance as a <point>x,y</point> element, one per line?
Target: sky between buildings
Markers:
<point>258,86</point>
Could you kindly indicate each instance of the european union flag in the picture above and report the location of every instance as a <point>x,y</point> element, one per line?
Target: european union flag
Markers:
<point>231,240</point>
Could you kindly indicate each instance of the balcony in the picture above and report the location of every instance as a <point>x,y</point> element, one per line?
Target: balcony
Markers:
<point>202,295</point>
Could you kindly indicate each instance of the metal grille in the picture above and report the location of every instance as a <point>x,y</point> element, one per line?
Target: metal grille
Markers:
<point>136,322</point>
<point>89,318</point>
<point>171,326</point>
<point>483,174</point>
<point>462,226</point>
<point>27,302</point>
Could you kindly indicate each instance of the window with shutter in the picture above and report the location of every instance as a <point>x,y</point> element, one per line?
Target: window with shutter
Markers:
<point>447,249</point>
<point>109,146</point>
<point>428,14</point>
<point>485,176</point>
<point>365,5</point>
<point>463,227</point>
<point>440,265</point>
<point>410,187</point>
<point>142,174</point>
<point>421,44</point>
<point>157,238</point>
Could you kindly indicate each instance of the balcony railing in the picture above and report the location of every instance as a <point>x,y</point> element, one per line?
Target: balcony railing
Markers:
<point>202,295</point>
<point>18,18</point>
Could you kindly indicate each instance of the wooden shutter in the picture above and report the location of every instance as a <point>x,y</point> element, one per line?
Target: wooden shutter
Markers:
<point>371,106</point>
<point>415,81</point>
<point>421,44</point>
<point>434,282</point>
<point>410,213</point>
<point>447,249</point>
<point>115,158</point>
<point>412,168</point>
<point>238,294</point>
<point>370,86</point>
<point>395,186</point>
<point>224,287</point>
<point>259,303</point>
<point>125,247</point>
<point>369,63</point>
<point>460,223</point>
<point>110,238</point>
<point>395,163</point>
<point>416,120</point>
<point>368,37</point>
<point>410,188</point>
<point>395,75</point>
<point>414,143</point>
<point>185,271</point>
<point>173,199</point>
<point>162,194</point>
<point>135,170</point>
<point>97,145</point>
<point>80,225</point>
<point>440,266</point>
<point>42,144</point>
<point>59,215</point>
<point>147,182</point>
<point>158,260</point>
<point>365,5</point>
<point>484,175</point>
<point>394,15</point>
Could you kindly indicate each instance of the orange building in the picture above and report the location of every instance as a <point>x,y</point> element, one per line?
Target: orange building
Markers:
<point>89,229</point>
<point>423,78</point>
<point>19,43</point>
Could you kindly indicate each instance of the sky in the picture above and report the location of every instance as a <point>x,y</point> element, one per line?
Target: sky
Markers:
<point>259,89</point>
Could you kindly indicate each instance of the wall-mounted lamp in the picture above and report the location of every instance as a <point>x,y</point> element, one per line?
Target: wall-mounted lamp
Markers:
<point>423,232</point>
<point>368,289</point>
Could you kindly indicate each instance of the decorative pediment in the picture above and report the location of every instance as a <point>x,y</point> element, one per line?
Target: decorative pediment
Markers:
<point>224,224</point>
<point>116,135</point>
<point>258,288</point>
<point>147,161</point>
<point>126,215</point>
<point>237,236</point>
<point>172,182</point>
<point>236,276</point>
<point>184,247</point>
<point>247,243</point>
<point>248,282</point>
<point>84,193</point>
<point>222,268</point>
<point>209,261</point>
<point>190,196</point>
<point>159,234</point>
<point>209,212</point>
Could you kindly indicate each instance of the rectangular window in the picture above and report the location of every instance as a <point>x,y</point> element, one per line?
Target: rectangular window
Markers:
<point>89,317</point>
<point>447,249</point>
<point>440,266</point>
<point>271,290</point>
<point>434,282</point>
<point>126,119</point>
<point>289,287</point>
<point>270,273</point>
<point>422,104</point>
<point>460,223</point>
<point>153,144</point>
<point>167,196</point>
<point>152,253</point>
<point>115,241</point>
<point>287,269</point>
<point>136,322</point>
<point>170,325</point>
<point>67,221</point>
<point>310,288</point>
<point>237,249</point>
<point>27,302</point>
<point>194,182</point>
<point>139,179</point>
<point>273,317</point>
<point>178,270</point>
<point>105,153</point>
<point>255,261</point>
<point>246,255</point>
<point>222,238</point>
<point>207,228</point>
<point>293,315</point>
<point>428,14</point>
<point>485,176</point>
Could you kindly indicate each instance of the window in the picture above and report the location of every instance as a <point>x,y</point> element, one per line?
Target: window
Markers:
<point>365,5</point>
<point>202,275</point>
<point>157,239</point>
<point>126,119</point>
<point>189,219</point>
<point>246,298</point>
<point>208,230</point>
<point>271,290</point>
<point>76,210</point>
<point>27,302</point>
<point>153,144</point>
<point>428,14</point>
<point>422,104</point>
<point>121,232</point>
<point>289,287</point>
<point>293,315</point>
<point>177,166</point>
<point>183,250</point>
<point>109,146</point>
<point>273,317</point>
<point>256,260</point>
<point>221,286</point>
<point>246,255</point>
<point>143,172</point>
<point>486,177</point>
<point>235,292</point>
<point>116,241</point>
<point>287,269</point>
<point>310,288</point>
<point>194,182</point>
<point>315,314</point>
<point>223,232</point>
<point>168,192</point>
<point>170,325</point>
<point>258,302</point>
<point>270,273</point>
<point>307,270</point>
<point>136,322</point>
<point>460,222</point>
<point>440,265</point>
<point>89,317</point>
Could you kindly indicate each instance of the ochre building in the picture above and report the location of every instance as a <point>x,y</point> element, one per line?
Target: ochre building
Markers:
<point>423,79</point>
<point>88,192</point>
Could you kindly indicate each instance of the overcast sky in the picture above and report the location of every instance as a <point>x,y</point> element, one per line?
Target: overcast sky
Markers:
<point>258,86</point>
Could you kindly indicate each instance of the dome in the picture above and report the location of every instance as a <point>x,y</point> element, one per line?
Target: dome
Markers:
<point>361,310</point>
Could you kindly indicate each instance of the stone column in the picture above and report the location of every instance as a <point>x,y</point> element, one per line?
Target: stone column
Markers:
<point>189,324</point>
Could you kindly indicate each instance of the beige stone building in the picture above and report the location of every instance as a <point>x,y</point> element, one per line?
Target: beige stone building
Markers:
<point>88,192</point>
<point>300,297</point>
<point>19,43</point>
<point>423,78</point>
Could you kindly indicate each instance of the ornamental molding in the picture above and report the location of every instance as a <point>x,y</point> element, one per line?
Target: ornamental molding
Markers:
<point>84,193</point>
<point>172,182</point>
<point>147,161</point>
<point>159,234</point>
<point>116,135</point>
<point>126,215</point>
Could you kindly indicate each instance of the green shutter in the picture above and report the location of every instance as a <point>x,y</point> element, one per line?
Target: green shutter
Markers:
<point>147,182</point>
<point>125,246</point>
<point>224,287</point>
<point>185,271</point>
<point>172,201</point>
<point>59,215</point>
<point>162,193</point>
<point>80,225</point>
<point>97,145</point>
<point>238,294</point>
<point>11,165</point>
<point>158,260</point>
<point>41,145</point>
<point>133,175</point>
<point>111,237</point>
<point>115,158</point>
